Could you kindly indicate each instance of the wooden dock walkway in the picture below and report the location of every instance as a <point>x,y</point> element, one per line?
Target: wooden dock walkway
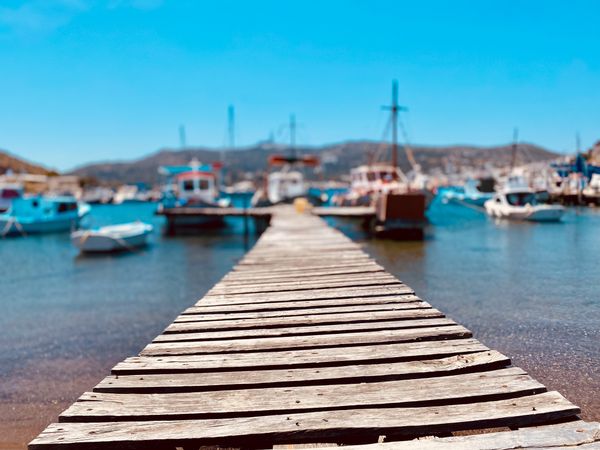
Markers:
<point>308,340</point>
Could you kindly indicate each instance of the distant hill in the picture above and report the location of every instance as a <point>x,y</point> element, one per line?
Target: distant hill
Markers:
<point>337,159</point>
<point>15,164</point>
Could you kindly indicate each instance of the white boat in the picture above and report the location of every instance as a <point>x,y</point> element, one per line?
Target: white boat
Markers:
<point>42,215</point>
<point>284,185</point>
<point>592,191</point>
<point>516,201</point>
<point>127,236</point>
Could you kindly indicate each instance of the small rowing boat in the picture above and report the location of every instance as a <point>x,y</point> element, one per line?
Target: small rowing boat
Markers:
<point>126,236</point>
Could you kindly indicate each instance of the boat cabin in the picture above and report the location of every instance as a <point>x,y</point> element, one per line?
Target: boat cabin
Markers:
<point>44,206</point>
<point>285,186</point>
<point>192,185</point>
<point>197,187</point>
<point>377,178</point>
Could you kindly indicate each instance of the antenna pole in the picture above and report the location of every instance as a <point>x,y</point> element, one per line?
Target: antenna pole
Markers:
<point>182,136</point>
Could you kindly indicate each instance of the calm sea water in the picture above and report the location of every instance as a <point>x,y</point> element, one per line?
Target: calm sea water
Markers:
<point>529,290</point>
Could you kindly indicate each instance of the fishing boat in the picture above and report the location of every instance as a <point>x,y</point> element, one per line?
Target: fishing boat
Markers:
<point>517,201</point>
<point>591,192</point>
<point>194,185</point>
<point>42,215</point>
<point>287,184</point>
<point>112,238</point>
<point>469,195</point>
<point>367,182</point>
<point>400,201</point>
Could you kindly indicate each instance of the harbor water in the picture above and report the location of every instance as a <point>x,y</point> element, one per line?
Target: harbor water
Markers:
<point>528,290</point>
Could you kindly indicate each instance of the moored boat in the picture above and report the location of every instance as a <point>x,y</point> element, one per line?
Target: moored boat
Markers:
<point>287,184</point>
<point>516,201</point>
<point>469,195</point>
<point>193,186</point>
<point>42,215</point>
<point>122,237</point>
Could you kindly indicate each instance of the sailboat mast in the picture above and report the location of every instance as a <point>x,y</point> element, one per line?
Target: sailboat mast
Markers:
<point>182,142</point>
<point>230,130</point>
<point>394,109</point>
<point>293,135</point>
<point>513,159</point>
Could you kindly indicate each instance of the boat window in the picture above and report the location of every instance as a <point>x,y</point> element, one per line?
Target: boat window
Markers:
<point>370,176</point>
<point>10,193</point>
<point>64,207</point>
<point>387,176</point>
<point>203,184</point>
<point>188,185</point>
<point>35,203</point>
<point>521,199</point>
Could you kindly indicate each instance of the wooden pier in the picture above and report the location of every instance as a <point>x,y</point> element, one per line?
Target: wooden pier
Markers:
<point>308,340</point>
<point>190,217</point>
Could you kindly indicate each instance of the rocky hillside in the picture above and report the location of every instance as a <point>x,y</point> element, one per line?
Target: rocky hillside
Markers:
<point>337,159</point>
<point>12,163</point>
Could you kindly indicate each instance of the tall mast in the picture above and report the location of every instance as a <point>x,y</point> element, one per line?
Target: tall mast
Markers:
<point>395,109</point>
<point>395,123</point>
<point>293,135</point>
<point>230,130</point>
<point>513,158</point>
<point>182,136</point>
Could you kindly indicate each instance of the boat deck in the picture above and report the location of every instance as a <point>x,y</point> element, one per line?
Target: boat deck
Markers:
<point>309,340</point>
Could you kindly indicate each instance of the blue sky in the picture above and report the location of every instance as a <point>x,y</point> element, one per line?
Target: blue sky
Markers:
<point>85,80</point>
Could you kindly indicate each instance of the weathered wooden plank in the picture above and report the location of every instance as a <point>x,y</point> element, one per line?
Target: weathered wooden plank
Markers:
<point>306,341</point>
<point>366,291</point>
<point>189,323</point>
<point>324,426</point>
<point>197,314</point>
<point>299,248</point>
<point>224,289</point>
<point>305,330</point>
<point>248,269</point>
<point>257,280</point>
<point>189,382</point>
<point>502,383</point>
<point>355,255</point>
<point>345,282</point>
<point>316,305</point>
<point>343,294</point>
<point>235,277</point>
<point>321,357</point>
<point>574,435</point>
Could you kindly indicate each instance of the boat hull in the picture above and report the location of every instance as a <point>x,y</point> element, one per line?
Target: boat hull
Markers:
<point>13,226</point>
<point>97,241</point>
<point>532,214</point>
